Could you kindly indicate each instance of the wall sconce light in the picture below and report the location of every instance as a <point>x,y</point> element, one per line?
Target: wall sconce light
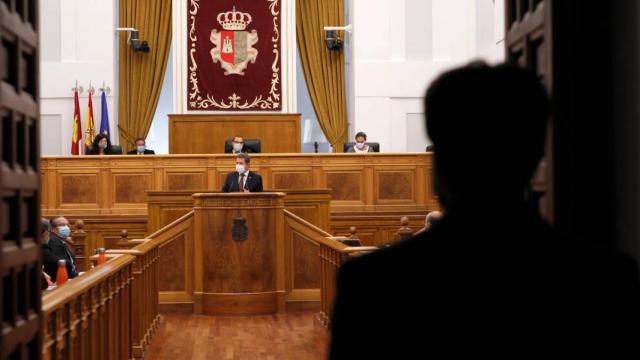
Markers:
<point>133,39</point>
<point>331,38</point>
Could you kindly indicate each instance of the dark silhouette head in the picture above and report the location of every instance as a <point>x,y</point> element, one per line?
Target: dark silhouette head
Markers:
<point>487,124</point>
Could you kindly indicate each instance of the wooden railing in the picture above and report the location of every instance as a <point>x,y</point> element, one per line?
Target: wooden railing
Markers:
<point>89,317</point>
<point>146,279</point>
<point>331,253</point>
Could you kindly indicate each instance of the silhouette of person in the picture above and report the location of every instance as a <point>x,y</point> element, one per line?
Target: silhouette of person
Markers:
<point>474,284</point>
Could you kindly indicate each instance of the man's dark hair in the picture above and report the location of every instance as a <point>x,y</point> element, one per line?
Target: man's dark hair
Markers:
<point>245,156</point>
<point>237,137</point>
<point>496,114</point>
<point>138,139</point>
<point>361,134</point>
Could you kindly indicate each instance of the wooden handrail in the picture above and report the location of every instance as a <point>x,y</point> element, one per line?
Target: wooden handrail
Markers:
<point>89,317</point>
<point>332,252</point>
<point>55,298</point>
<point>146,279</point>
<point>177,226</point>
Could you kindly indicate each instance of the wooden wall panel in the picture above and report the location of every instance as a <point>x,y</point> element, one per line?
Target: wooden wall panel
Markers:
<point>395,186</point>
<point>291,179</point>
<point>278,133</point>
<point>78,188</point>
<point>306,264</point>
<point>380,183</point>
<point>345,185</point>
<point>131,189</point>
<point>186,180</point>
<point>173,265</point>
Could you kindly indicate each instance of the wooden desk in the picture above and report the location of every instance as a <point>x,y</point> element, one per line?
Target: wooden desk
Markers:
<point>278,133</point>
<point>310,204</point>
<point>101,185</point>
<point>239,253</point>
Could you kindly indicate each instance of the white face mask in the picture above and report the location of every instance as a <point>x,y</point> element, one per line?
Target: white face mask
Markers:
<point>240,168</point>
<point>141,148</point>
<point>360,146</point>
<point>102,146</point>
<point>237,147</point>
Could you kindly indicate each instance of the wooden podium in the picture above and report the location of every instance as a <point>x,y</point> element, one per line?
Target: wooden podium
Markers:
<point>239,253</point>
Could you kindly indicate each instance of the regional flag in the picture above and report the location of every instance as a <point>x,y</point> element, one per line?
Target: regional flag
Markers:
<point>104,121</point>
<point>76,136</point>
<point>90,131</point>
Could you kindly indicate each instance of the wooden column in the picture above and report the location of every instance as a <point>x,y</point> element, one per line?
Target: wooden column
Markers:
<point>239,247</point>
<point>82,252</point>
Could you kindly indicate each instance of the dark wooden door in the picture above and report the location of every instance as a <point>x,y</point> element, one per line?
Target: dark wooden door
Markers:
<point>19,181</point>
<point>528,43</point>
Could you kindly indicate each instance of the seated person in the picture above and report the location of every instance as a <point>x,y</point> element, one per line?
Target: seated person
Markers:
<point>430,221</point>
<point>360,146</point>
<point>141,148</point>
<point>57,249</point>
<point>242,179</point>
<point>239,146</point>
<point>102,146</point>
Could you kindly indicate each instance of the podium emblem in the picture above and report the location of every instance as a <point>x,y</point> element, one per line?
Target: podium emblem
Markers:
<point>234,45</point>
<point>239,230</point>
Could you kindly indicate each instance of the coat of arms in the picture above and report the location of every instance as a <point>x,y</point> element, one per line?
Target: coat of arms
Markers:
<point>233,45</point>
<point>239,230</point>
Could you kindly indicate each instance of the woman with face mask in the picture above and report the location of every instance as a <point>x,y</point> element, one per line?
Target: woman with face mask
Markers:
<point>360,145</point>
<point>102,146</point>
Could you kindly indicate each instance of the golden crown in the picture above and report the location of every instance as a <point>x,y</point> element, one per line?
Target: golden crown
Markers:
<point>234,20</point>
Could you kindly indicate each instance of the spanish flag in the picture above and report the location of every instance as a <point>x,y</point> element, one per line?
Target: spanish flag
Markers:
<point>76,137</point>
<point>90,131</point>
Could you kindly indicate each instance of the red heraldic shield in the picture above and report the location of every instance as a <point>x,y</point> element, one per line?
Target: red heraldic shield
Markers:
<point>228,47</point>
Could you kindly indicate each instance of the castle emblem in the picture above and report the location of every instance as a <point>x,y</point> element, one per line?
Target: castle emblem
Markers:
<point>234,45</point>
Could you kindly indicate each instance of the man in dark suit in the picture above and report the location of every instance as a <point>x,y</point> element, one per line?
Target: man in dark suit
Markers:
<point>473,286</point>
<point>242,179</point>
<point>57,249</point>
<point>141,148</point>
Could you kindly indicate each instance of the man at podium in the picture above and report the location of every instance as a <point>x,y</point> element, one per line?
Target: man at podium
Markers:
<point>242,179</point>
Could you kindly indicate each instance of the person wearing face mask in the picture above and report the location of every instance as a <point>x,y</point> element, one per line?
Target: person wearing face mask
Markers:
<point>57,249</point>
<point>141,148</point>
<point>360,146</point>
<point>238,146</point>
<point>242,180</point>
<point>102,146</point>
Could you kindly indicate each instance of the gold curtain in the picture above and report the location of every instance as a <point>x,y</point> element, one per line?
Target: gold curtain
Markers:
<point>141,74</point>
<point>324,69</point>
